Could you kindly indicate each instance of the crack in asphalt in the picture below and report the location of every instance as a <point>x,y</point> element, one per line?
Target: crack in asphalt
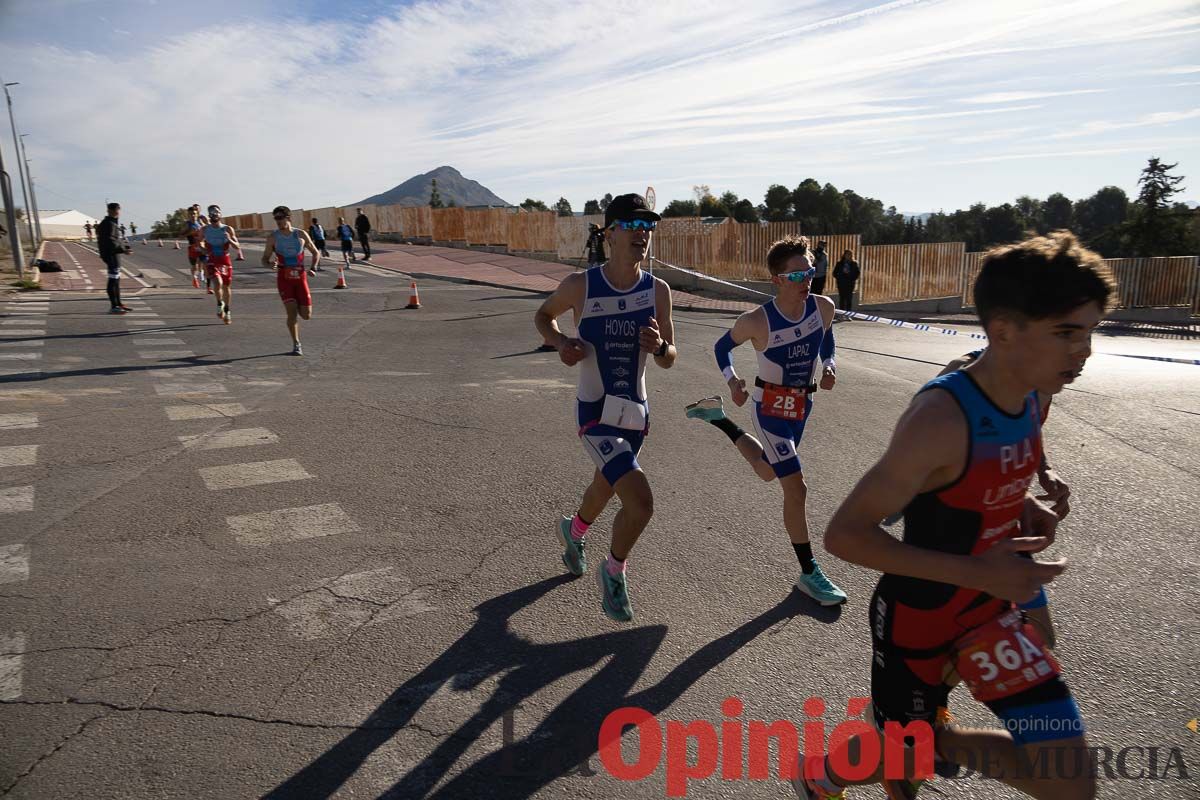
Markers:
<point>420,419</point>
<point>38,761</point>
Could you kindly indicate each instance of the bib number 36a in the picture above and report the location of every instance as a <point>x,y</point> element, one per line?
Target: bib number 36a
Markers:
<point>1003,658</point>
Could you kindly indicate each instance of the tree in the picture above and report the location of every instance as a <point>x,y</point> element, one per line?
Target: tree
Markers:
<point>744,211</point>
<point>1057,212</point>
<point>681,208</point>
<point>534,205</point>
<point>777,203</point>
<point>563,207</point>
<point>1032,213</point>
<point>1002,224</point>
<point>435,199</point>
<point>730,200</point>
<point>702,191</point>
<point>806,205</point>
<point>832,210</point>
<point>592,207</point>
<point>604,201</point>
<point>1100,219</point>
<point>174,225</point>
<point>1154,228</point>
<point>712,207</point>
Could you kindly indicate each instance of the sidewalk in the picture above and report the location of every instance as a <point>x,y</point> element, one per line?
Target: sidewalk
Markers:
<point>508,272</point>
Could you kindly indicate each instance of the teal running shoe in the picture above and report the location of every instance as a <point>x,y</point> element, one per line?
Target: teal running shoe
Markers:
<point>573,557</point>
<point>708,409</point>
<point>820,588</point>
<point>614,595</point>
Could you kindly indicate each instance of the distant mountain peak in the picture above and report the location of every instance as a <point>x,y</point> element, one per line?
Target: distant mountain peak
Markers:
<point>452,185</point>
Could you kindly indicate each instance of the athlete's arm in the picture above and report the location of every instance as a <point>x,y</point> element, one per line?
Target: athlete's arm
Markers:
<point>662,328</point>
<point>928,450</point>
<point>269,251</point>
<point>1057,492</point>
<point>233,237</point>
<point>955,365</point>
<point>744,329</point>
<point>829,368</point>
<point>567,296</point>
<point>312,248</point>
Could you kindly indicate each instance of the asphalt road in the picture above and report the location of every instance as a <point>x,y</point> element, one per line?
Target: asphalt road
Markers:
<point>228,572</point>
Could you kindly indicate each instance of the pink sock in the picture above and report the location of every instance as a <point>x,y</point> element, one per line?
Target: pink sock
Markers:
<point>579,528</point>
<point>614,567</point>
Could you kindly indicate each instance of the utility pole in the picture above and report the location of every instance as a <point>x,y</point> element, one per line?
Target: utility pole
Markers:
<point>37,215</point>
<point>20,168</point>
<point>14,236</point>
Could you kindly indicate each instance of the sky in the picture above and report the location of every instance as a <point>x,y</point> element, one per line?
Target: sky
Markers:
<point>924,105</point>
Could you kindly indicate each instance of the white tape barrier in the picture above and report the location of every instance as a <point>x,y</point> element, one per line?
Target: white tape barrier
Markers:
<point>916,326</point>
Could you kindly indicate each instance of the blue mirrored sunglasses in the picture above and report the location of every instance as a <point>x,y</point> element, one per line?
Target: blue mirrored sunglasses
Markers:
<point>800,276</point>
<point>635,224</point>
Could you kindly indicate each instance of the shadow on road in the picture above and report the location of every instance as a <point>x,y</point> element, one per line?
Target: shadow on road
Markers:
<point>565,740</point>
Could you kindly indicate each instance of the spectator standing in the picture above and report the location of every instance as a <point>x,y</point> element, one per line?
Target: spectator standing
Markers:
<point>317,234</point>
<point>821,265</point>
<point>595,245</point>
<point>108,242</point>
<point>846,273</point>
<point>363,226</point>
<point>133,229</point>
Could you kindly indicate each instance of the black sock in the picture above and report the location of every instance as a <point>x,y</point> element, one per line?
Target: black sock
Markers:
<point>727,426</point>
<point>804,553</point>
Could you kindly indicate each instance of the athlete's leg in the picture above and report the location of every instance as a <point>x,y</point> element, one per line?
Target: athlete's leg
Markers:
<point>595,498</point>
<point>305,312</point>
<point>637,507</point>
<point>293,325</point>
<point>795,514</point>
<point>711,410</point>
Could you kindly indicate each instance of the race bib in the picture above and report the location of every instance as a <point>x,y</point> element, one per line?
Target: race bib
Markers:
<point>1005,657</point>
<point>785,402</point>
<point>620,412</point>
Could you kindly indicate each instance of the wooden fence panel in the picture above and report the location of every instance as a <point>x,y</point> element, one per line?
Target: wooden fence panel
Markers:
<point>449,225</point>
<point>416,221</point>
<point>572,233</point>
<point>1155,282</point>
<point>886,273</point>
<point>532,231</point>
<point>486,226</point>
<point>938,270</point>
<point>972,263</point>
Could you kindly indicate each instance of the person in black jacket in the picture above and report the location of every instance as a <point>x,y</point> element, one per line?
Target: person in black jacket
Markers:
<point>363,226</point>
<point>108,242</point>
<point>846,274</point>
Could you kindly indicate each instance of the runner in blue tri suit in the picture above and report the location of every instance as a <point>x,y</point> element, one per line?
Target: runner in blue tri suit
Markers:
<point>623,317</point>
<point>792,336</point>
<point>960,465</point>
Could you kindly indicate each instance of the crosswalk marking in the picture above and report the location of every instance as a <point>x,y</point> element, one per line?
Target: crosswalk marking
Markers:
<point>18,455</point>
<point>255,473</point>
<point>179,413</point>
<point>190,388</point>
<point>18,422</point>
<point>14,563</point>
<point>239,437</point>
<point>25,342</point>
<point>20,356</point>
<point>23,332</point>
<point>13,646</point>
<point>15,499</point>
<point>165,355</point>
<point>159,342</point>
<point>290,524</point>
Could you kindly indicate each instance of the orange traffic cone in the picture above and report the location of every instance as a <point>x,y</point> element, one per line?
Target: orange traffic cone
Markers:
<point>414,300</point>
<point>341,284</point>
<point>177,245</point>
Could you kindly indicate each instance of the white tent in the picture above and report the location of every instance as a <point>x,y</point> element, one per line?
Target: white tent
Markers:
<point>65,224</point>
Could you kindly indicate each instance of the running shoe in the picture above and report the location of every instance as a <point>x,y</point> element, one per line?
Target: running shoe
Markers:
<point>228,317</point>
<point>820,588</point>
<point>210,291</point>
<point>220,311</point>
<point>297,350</point>
<point>614,595</point>
<point>573,556</point>
<point>807,789</point>
<point>124,307</point>
<point>708,409</point>
<point>116,310</point>
<point>195,282</point>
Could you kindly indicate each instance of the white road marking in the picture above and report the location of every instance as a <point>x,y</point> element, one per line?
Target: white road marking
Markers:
<point>13,646</point>
<point>158,342</point>
<point>25,342</point>
<point>255,473</point>
<point>14,563</point>
<point>240,437</point>
<point>23,332</point>
<point>155,274</point>
<point>177,413</point>
<point>18,422</point>
<point>20,356</point>
<point>18,455</point>
<point>190,388</point>
<point>14,499</point>
<point>290,524</point>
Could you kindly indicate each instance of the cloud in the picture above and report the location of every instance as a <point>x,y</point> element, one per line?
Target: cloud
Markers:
<point>539,97</point>
<point>1149,120</point>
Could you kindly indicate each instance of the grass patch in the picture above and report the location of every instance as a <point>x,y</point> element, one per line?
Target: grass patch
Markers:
<point>26,285</point>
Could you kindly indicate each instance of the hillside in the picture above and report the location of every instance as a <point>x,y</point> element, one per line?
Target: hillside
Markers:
<point>452,186</point>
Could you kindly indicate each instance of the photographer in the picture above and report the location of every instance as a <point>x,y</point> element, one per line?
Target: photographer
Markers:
<point>108,242</point>
<point>595,245</point>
